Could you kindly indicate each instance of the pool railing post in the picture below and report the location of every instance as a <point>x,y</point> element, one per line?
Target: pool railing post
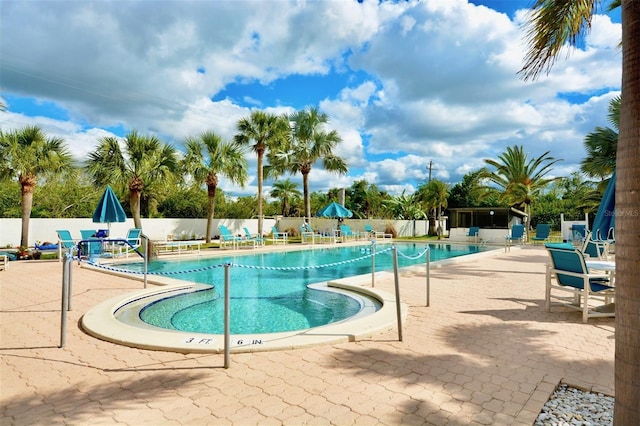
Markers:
<point>69,282</point>
<point>146,256</point>
<point>226,315</point>
<point>373,263</point>
<point>397,285</point>
<point>428,269</point>
<point>65,301</point>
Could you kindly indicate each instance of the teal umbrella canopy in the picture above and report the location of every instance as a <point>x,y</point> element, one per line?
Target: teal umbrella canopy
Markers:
<point>334,210</point>
<point>605,220</point>
<point>109,209</point>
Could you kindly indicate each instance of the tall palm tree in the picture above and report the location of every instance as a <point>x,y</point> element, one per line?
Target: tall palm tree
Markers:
<point>287,192</point>
<point>547,34</point>
<point>521,179</point>
<point>143,165</point>
<point>601,145</point>
<point>261,131</point>
<point>28,154</point>
<point>206,158</point>
<point>435,194</point>
<point>309,143</point>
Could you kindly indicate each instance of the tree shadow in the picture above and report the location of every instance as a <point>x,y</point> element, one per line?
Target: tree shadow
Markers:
<point>473,364</point>
<point>66,405</point>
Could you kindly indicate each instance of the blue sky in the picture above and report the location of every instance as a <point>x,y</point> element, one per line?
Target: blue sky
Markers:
<point>404,83</point>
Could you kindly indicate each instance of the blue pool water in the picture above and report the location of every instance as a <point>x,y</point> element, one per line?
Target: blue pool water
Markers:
<point>269,292</point>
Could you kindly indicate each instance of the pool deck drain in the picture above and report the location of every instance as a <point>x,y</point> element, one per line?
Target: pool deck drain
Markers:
<point>485,352</point>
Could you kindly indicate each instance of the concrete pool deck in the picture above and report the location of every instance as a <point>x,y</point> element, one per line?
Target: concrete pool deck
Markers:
<point>484,352</point>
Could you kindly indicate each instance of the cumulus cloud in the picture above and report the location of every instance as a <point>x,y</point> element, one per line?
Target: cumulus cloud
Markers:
<point>427,80</point>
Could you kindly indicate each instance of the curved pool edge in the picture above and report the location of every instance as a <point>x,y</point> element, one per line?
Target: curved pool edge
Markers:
<point>100,322</point>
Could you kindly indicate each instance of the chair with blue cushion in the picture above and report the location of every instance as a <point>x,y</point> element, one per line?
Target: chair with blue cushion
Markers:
<point>256,240</point>
<point>543,230</point>
<point>595,249</point>
<point>133,240</point>
<point>226,237</point>
<point>568,273</point>
<point>66,243</point>
<point>517,234</point>
<point>347,233</point>
<point>278,237</point>
<point>474,232</point>
<point>91,247</point>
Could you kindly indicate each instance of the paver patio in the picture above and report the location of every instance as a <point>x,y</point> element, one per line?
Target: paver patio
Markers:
<point>484,352</point>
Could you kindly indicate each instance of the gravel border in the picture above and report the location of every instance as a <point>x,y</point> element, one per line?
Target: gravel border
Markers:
<point>572,406</point>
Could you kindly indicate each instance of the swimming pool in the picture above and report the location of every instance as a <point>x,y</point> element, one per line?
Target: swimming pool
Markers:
<point>270,294</point>
<point>270,291</point>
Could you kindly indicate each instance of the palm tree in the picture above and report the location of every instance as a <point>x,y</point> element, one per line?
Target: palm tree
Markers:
<point>287,192</point>
<point>435,194</point>
<point>547,34</point>
<point>207,157</point>
<point>601,145</point>
<point>261,131</point>
<point>28,154</point>
<point>520,178</point>
<point>145,164</point>
<point>309,144</point>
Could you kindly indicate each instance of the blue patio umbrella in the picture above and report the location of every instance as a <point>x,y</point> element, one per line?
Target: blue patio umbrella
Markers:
<point>606,217</point>
<point>109,209</point>
<point>334,210</point>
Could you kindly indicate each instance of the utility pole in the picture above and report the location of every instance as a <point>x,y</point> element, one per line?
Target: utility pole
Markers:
<point>430,167</point>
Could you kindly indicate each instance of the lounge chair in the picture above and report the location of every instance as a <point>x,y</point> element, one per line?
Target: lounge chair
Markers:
<point>306,233</point>
<point>595,249</point>
<point>4,261</point>
<point>570,273</point>
<point>227,237</point>
<point>133,240</point>
<point>257,240</point>
<point>346,233</point>
<point>376,234</point>
<point>579,232</point>
<point>542,232</point>
<point>91,248</point>
<point>278,237</point>
<point>66,243</point>
<point>517,234</point>
<point>474,232</point>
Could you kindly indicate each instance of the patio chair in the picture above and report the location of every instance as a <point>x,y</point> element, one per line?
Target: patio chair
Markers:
<point>307,232</point>
<point>346,233</point>
<point>92,248</point>
<point>517,234</point>
<point>542,232</point>
<point>227,237</point>
<point>257,240</point>
<point>579,232</point>
<point>4,261</point>
<point>474,232</point>
<point>377,234</point>
<point>278,237</point>
<point>595,249</point>
<point>570,273</point>
<point>66,243</point>
<point>133,240</point>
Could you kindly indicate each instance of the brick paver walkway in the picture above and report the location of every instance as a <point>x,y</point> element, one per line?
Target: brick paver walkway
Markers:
<point>484,352</point>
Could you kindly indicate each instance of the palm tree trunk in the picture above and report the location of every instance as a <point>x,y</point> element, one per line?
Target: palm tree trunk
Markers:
<point>211,192</point>
<point>307,199</point>
<point>134,202</point>
<point>27,186</point>
<point>260,180</point>
<point>627,362</point>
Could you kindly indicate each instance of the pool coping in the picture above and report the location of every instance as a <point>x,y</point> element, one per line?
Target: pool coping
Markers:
<point>100,320</point>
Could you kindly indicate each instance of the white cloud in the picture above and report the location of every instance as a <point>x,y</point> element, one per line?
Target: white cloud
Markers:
<point>436,79</point>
